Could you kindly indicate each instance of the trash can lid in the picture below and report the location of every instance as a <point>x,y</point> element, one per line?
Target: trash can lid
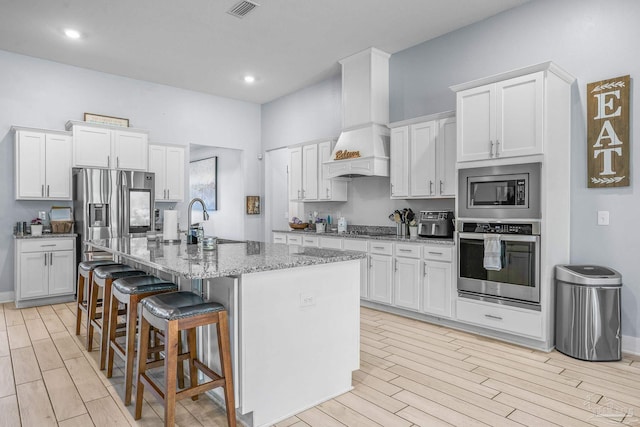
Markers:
<point>588,275</point>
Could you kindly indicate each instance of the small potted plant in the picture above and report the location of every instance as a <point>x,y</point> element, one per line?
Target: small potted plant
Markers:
<point>413,229</point>
<point>36,227</point>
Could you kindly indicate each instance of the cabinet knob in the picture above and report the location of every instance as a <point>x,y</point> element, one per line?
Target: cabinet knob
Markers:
<point>430,187</point>
<point>45,259</point>
<point>47,190</point>
<point>441,183</point>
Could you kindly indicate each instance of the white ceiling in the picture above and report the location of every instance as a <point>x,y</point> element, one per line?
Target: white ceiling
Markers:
<point>195,44</point>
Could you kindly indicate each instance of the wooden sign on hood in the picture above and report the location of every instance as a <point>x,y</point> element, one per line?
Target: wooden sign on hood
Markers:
<point>608,133</point>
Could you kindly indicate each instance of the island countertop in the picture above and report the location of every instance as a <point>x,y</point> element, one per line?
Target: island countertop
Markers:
<point>231,258</point>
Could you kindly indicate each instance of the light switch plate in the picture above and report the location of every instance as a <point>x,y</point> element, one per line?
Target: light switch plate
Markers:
<point>603,217</point>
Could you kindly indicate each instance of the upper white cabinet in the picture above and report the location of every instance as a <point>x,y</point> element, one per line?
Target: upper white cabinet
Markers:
<point>503,116</point>
<point>307,181</point>
<point>167,162</point>
<point>98,146</point>
<point>423,158</point>
<point>42,164</point>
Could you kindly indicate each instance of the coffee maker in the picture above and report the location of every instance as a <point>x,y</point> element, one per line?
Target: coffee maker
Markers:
<point>436,224</point>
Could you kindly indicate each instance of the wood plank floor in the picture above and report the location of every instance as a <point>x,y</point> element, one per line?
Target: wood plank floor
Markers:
<point>412,374</point>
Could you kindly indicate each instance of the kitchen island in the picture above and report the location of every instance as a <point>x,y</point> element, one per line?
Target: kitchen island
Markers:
<point>294,316</point>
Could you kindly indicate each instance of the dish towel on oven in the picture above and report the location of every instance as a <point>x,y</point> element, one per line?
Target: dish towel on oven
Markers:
<point>492,252</point>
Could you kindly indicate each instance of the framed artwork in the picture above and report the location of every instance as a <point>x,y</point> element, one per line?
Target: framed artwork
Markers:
<point>253,205</point>
<point>106,120</point>
<point>203,181</point>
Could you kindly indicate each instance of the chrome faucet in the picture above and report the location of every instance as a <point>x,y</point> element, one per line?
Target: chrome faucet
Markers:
<point>205,216</point>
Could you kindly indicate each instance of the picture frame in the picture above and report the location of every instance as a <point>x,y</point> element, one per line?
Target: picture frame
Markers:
<point>253,205</point>
<point>106,120</point>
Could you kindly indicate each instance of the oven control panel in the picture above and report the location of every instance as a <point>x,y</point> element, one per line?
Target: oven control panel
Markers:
<point>498,228</point>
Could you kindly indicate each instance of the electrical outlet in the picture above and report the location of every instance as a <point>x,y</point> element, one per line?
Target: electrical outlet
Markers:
<point>307,300</point>
<point>603,217</point>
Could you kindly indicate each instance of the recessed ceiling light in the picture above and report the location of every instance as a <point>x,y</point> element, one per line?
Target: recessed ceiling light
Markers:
<point>249,79</point>
<point>72,34</point>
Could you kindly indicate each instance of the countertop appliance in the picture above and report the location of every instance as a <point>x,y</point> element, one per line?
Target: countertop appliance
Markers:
<point>517,281</point>
<point>436,224</point>
<point>500,192</point>
<point>111,203</point>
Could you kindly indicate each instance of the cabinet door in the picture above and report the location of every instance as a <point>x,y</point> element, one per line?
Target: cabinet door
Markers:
<point>34,269</point>
<point>356,91</point>
<point>310,172</point>
<point>30,165</point>
<point>446,157</point>
<point>519,116</point>
<point>131,150</point>
<point>295,173</point>
<point>380,278</point>
<point>422,155</point>
<point>279,238</point>
<point>476,123</point>
<point>436,294</point>
<point>58,167</point>
<point>92,147</point>
<point>158,165</point>
<point>175,174</point>
<point>407,283</point>
<point>61,272</point>
<point>399,162</point>
<point>329,189</point>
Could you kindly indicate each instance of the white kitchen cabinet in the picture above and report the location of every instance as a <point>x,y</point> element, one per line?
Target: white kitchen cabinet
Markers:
<point>307,181</point>
<point>109,147</point>
<point>311,241</point>
<point>437,281</point>
<point>380,278</point>
<point>501,119</point>
<point>45,270</point>
<point>514,320</point>
<point>330,243</point>
<point>406,283</point>
<point>280,238</point>
<point>42,165</point>
<point>423,158</point>
<point>294,239</point>
<point>167,162</point>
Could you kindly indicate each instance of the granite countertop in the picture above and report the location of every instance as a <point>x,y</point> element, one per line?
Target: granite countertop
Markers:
<point>231,258</point>
<point>387,237</point>
<point>46,236</point>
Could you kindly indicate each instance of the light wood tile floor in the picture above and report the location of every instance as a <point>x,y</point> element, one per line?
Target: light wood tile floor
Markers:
<point>412,374</point>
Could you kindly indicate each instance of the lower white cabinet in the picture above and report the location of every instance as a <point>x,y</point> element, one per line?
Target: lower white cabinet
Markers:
<point>44,270</point>
<point>330,243</point>
<point>436,288</point>
<point>310,241</point>
<point>380,278</point>
<point>494,316</point>
<point>279,238</point>
<point>406,283</point>
<point>360,245</point>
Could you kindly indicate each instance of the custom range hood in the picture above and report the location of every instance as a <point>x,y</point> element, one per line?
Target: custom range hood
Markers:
<point>363,146</point>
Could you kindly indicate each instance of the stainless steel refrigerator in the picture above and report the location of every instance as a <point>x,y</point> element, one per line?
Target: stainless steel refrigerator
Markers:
<point>111,203</point>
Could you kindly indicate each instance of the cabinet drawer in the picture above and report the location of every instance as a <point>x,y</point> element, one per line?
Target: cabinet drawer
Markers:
<point>311,241</point>
<point>438,253</point>
<point>493,316</point>
<point>356,245</point>
<point>279,238</point>
<point>294,239</point>
<point>382,248</point>
<point>330,243</point>
<point>46,245</point>
<point>409,251</point>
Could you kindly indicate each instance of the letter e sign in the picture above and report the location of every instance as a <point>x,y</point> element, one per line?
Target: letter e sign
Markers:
<point>608,133</point>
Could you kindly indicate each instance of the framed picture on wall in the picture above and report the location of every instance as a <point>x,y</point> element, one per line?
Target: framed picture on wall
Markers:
<point>203,181</point>
<point>253,205</point>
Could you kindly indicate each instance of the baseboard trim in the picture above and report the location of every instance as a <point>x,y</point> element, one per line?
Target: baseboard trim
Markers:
<point>631,345</point>
<point>8,296</point>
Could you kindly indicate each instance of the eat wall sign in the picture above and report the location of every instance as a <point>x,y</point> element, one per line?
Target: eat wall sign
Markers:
<point>608,133</point>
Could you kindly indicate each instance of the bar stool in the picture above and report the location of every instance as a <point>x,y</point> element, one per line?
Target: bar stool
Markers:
<point>102,279</point>
<point>83,288</point>
<point>174,312</point>
<point>129,291</point>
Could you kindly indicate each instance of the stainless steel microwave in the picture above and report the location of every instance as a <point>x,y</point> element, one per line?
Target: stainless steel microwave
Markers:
<point>500,192</point>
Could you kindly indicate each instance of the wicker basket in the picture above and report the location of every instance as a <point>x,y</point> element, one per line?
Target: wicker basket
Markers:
<point>61,226</point>
<point>298,226</point>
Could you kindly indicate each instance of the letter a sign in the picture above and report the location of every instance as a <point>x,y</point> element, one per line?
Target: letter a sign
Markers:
<point>608,133</point>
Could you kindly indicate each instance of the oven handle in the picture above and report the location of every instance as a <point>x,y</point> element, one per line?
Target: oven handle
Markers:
<point>503,237</point>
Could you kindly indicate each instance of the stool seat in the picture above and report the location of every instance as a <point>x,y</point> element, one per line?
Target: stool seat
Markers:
<point>135,285</point>
<point>179,305</point>
<point>113,271</point>
<point>90,265</point>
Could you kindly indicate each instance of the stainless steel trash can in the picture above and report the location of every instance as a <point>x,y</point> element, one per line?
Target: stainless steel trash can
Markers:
<point>588,312</point>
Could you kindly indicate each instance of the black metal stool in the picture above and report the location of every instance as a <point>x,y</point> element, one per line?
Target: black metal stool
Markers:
<point>102,279</point>
<point>83,289</point>
<point>129,291</point>
<point>174,312</point>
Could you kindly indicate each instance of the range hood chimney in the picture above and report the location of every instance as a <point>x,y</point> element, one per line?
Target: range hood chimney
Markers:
<point>363,146</point>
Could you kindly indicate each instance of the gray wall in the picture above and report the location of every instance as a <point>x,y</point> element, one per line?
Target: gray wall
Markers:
<point>46,94</point>
<point>591,39</point>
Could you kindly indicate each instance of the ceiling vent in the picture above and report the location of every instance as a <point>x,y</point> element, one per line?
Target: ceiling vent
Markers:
<point>242,9</point>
